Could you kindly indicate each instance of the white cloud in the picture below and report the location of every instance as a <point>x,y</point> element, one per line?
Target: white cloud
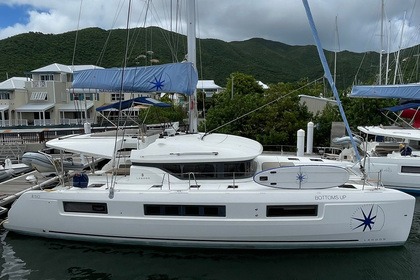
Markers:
<point>284,21</point>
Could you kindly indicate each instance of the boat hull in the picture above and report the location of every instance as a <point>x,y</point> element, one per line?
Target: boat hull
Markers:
<point>338,218</point>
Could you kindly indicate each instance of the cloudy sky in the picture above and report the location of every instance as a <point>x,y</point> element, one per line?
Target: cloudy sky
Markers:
<point>358,21</point>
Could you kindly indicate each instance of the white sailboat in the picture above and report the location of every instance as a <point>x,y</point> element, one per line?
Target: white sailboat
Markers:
<point>212,191</point>
<point>395,170</point>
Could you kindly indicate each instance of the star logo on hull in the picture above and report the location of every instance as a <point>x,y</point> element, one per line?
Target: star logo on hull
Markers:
<point>367,218</point>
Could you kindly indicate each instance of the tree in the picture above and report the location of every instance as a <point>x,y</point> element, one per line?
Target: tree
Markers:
<point>153,115</point>
<point>271,117</point>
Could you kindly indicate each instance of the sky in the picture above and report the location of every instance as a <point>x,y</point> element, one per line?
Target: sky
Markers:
<point>353,25</point>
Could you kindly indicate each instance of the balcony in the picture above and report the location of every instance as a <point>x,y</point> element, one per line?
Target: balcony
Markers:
<point>39,84</point>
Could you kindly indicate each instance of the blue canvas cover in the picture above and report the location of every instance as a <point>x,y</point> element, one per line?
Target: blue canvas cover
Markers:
<point>174,77</point>
<point>397,108</point>
<point>128,103</point>
<point>404,91</point>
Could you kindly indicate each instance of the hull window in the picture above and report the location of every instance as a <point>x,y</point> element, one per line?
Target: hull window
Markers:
<point>85,207</point>
<point>292,210</point>
<point>410,169</point>
<point>185,210</point>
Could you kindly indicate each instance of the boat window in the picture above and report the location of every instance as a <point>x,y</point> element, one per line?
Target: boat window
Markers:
<point>292,210</point>
<point>185,210</point>
<point>85,207</point>
<point>410,169</point>
<point>207,170</point>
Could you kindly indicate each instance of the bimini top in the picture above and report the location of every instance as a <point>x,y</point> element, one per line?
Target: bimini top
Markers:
<point>401,107</point>
<point>128,103</point>
<point>404,91</point>
<point>403,133</point>
<point>174,77</point>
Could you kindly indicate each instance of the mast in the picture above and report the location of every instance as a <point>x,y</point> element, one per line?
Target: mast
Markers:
<point>191,57</point>
<point>397,60</point>
<point>337,50</point>
<point>382,43</point>
<point>387,54</point>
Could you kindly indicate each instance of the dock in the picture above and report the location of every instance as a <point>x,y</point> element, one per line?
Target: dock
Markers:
<point>11,189</point>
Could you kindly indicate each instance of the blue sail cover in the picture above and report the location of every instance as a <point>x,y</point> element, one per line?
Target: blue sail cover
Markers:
<point>128,103</point>
<point>174,77</point>
<point>404,91</point>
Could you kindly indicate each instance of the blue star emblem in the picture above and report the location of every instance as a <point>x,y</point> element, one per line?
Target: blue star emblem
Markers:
<point>157,84</point>
<point>366,221</point>
<point>301,177</point>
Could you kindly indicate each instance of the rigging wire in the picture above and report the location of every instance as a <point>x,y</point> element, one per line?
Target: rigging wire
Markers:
<point>114,163</point>
<point>263,106</point>
<point>101,55</point>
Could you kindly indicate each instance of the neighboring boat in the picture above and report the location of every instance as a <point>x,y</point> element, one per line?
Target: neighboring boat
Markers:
<point>210,191</point>
<point>345,141</point>
<point>9,169</point>
<point>45,163</point>
<point>384,159</point>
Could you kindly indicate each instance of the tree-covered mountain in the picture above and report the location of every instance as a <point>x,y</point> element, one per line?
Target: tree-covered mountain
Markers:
<point>267,61</point>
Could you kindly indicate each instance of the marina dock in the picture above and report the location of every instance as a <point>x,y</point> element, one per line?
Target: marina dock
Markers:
<point>11,189</point>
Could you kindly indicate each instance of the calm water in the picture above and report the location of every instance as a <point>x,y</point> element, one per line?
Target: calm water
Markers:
<point>35,258</point>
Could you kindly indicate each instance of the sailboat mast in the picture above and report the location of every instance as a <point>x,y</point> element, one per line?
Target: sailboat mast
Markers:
<point>191,37</point>
<point>397,61</point>
<point>382,43</point>
<point>337,50</point>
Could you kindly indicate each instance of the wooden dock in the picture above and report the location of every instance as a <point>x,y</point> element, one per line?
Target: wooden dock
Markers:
<point>11,189</point>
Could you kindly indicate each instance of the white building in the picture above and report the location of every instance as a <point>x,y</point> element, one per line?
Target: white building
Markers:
<point>208,87</point>
<point>11,92</point>
<point>46,98</point>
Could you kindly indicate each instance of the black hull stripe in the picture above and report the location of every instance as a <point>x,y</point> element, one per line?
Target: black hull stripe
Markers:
<point>198,240</point>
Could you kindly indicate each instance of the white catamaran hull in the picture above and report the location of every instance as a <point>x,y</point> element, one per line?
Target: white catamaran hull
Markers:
<point>272,219</point>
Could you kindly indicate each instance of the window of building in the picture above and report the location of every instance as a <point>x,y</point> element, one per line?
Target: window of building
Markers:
<point>39,96</point>
<point>46,77</point>
<point>116,96</point>
<point>83,96</point>
<point>4,95</point>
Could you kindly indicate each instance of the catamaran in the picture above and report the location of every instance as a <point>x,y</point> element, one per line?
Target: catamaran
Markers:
<point>209,191</point>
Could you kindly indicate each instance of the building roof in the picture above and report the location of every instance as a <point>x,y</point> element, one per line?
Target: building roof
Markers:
<point>264,86</point>
<point>61,68</point>
<point>207,84</point>
<point>35,107</point>
<point>14,83</point>
<point>76,106</point>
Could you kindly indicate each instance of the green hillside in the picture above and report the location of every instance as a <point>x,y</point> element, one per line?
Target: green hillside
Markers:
<point>268,61</point>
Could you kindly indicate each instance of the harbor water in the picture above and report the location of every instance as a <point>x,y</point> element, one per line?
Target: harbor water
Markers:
<point>25,257</point>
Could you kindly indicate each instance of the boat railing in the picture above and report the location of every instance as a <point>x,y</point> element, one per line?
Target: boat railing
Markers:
<point>194,177</point>
<point>196,185</point>
<point>376,178</point>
